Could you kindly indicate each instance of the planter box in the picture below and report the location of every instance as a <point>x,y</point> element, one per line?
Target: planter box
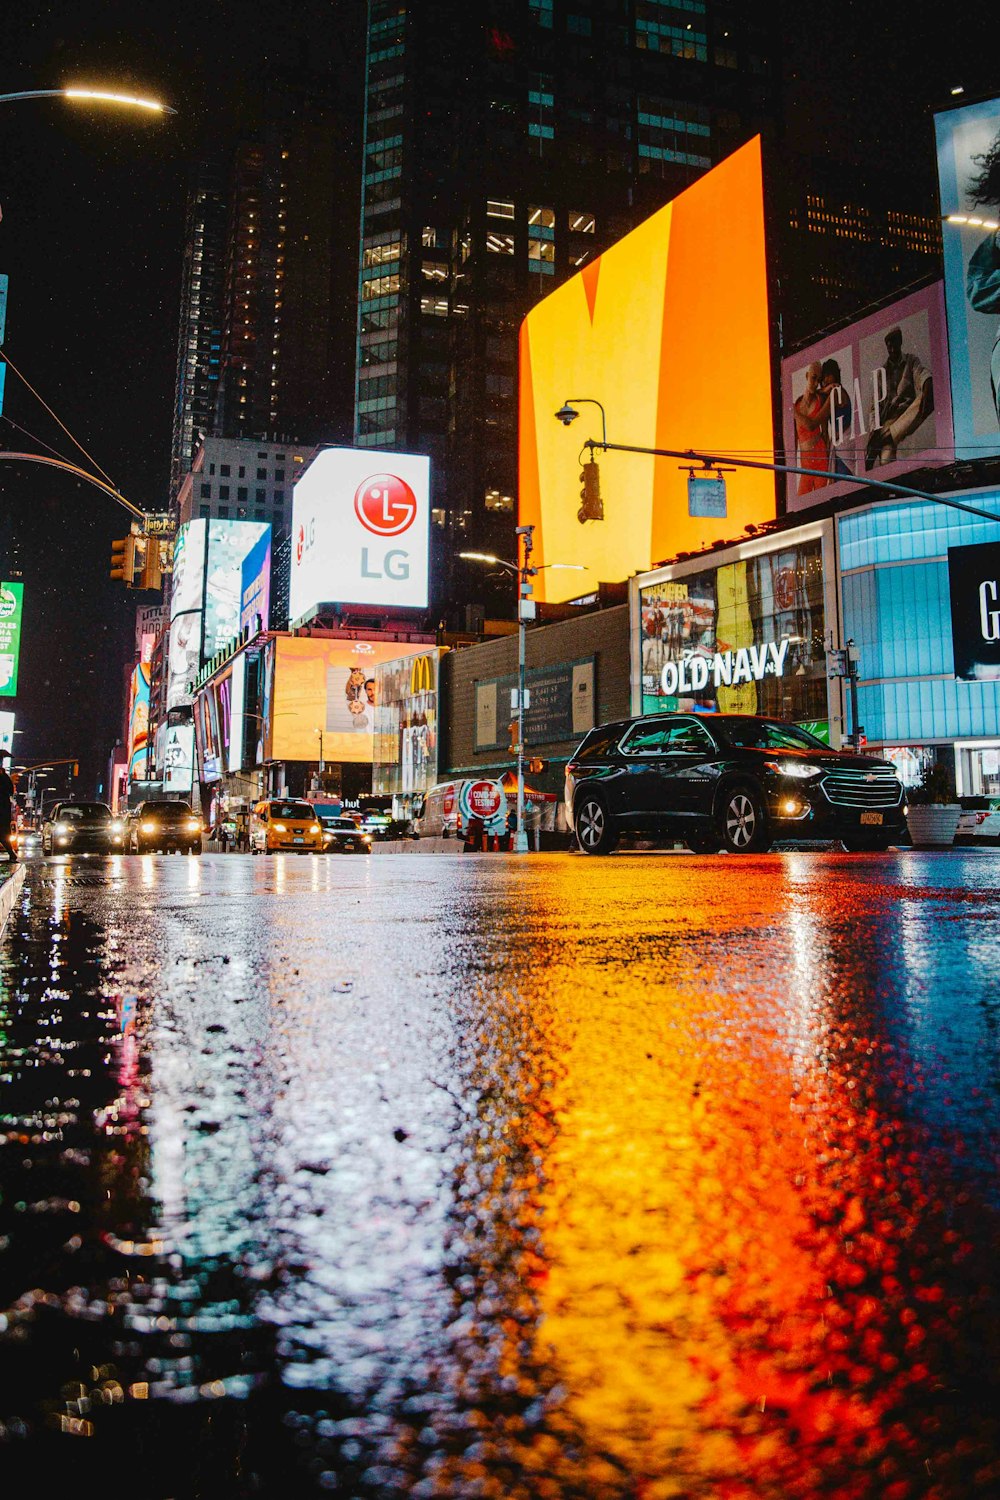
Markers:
<point>933,826</point>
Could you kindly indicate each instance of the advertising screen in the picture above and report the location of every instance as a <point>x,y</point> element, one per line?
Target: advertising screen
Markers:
<point>872,399</point>
<point>11,604</point>
<point>668,330</point>
<point>140,760</point>
<point>178,758</point>
<point>327,686</point>
<point>6,730</point>
<point>968,146</point>
<point>234,759</point>
<point>229,544</point>
<point>406,724</point>
<point>186,601</point>
<point>255,585</point>
<point>744,638</point>
<point>360,530</point>
<point>974,585</point>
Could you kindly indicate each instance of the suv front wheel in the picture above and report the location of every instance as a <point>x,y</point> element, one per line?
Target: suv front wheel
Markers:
<point>595,829</point>
<point>742,822</point>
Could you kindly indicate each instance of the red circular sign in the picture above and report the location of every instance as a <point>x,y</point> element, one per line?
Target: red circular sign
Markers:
<point>385,504</point>
<point>300,544</point>
<point>448,801</point>
<point>484,799</point>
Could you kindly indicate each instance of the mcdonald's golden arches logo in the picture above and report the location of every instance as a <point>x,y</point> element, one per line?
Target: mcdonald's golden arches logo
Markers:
<point>422,675</point>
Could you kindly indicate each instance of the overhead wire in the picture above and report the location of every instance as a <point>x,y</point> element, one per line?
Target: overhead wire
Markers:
<point>24,379</point>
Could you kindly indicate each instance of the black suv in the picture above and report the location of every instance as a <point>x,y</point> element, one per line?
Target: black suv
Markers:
<point>727,781</point>
<point>165,826</point>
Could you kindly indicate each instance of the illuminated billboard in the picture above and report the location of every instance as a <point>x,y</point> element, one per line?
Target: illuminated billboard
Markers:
<point>11,604</point>
<point>255,586</point>
<point>6,731</point>
<point>872,399</point>
<point>668,330</point>
<point>139,758</point>
<point>360,530</point>
<point>229,544</point>
<point>325,686</point>
<point>187,595</point>
<point>406,724</point>
<point>178,758</point>
<point>237,708</point>
<point>968,146</point>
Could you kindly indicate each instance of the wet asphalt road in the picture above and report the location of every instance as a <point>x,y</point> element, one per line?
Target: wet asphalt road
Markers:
<point>659,1176</point>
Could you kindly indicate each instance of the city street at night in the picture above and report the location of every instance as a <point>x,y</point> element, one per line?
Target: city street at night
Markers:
<point>651,1176</point>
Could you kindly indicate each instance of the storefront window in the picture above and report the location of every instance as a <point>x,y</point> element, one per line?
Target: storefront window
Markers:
<point>748,637</point>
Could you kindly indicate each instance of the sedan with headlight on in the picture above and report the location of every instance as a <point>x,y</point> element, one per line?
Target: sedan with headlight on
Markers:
<point>341,835</point>
<point>164,826</point>
<point>82,828</point>
<point>727,781</point>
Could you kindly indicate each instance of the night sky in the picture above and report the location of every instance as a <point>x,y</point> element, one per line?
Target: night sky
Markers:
<point>92,238</point>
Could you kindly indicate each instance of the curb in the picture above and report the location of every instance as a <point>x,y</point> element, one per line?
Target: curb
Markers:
<point>9,893</point>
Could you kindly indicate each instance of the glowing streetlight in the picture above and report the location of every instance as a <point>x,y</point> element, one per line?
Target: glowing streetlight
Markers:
<point>92,96</point>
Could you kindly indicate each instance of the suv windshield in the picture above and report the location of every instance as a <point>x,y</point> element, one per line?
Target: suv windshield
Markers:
<point>78,811</point>
<point>765,734</point>
<point>296,810</point>
<point>170,812</point>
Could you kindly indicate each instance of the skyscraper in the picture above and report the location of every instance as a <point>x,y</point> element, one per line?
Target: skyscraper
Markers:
<point>505,146</point>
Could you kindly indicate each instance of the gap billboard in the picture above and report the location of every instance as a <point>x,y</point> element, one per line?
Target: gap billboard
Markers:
<point>669,331</point>
<point>873,399</point>
<point>968,147</point>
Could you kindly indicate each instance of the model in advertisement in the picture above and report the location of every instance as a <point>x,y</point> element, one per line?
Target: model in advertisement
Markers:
<point>812,414</point>
<point>983,277</point>
<point>909,401</point>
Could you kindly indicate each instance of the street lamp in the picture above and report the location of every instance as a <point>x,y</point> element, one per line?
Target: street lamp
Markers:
<point>92,96</point>
<point>523,572</point>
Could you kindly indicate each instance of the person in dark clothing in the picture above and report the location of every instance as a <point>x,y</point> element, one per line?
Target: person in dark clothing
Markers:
<point>6,810</point>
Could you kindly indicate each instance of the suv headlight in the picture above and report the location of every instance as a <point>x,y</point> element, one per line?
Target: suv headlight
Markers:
<point>798,769</point>
<point>278,827</point>
<point>60,828</point>
<point>147,827</point>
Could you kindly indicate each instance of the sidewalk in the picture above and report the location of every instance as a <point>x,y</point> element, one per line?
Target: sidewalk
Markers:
<point>11,881</point>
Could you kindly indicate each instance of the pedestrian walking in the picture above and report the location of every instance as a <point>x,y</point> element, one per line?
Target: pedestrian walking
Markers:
<point>7,811</point>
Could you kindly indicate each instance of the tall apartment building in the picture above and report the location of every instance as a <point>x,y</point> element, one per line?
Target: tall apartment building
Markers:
<point>505,145</point>
<point>242,479</point>
<point>267,264</point>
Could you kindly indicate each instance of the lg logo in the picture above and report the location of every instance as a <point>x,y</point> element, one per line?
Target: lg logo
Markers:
<point>304,539</point>
<point>385,505</point>
<point>989,612</point>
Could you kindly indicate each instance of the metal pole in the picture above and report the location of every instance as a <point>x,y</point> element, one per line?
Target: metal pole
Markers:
<point>523,579</point>
<point>852,679</point>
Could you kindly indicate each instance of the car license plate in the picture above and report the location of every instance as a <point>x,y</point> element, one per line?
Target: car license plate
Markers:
<point>298,839</point>
<point>871,817</point>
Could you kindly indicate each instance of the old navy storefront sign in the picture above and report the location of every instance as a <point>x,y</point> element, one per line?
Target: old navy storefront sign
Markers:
<point>360,531</point>
<point>692,674</point>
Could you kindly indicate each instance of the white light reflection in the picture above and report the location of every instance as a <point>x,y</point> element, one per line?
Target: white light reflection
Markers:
<point>148,871</point>
<point>808,962</point>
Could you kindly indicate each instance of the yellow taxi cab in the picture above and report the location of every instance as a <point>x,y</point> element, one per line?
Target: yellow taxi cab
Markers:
<point>285,824</point>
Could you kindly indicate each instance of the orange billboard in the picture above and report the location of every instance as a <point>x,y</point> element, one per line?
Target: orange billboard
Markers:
<point>325,696</point>
<point>668,330</point>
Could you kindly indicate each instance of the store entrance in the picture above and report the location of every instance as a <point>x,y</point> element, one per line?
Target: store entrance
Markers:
<point>978,769</point>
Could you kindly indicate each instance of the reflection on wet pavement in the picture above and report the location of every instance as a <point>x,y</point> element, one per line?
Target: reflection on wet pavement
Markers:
<point>646,1177</point>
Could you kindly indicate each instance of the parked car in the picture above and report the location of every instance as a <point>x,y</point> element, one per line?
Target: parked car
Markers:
<point>82,828</point>
<point>727,781</point>
<point>285,823</point>
<point>165,826</point>
<point>341,834</point>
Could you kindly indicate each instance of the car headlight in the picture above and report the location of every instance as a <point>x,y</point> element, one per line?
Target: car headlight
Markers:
<point>315,828</point>
<point>193,825</point>
<point>279,827</point>
<point>147,827</point>
<point>60,828</point>
<point>116,827</point>
<point>798,769</point>
<point>366,838</point>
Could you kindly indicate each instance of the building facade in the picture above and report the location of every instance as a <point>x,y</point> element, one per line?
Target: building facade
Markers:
<point>505,146</point>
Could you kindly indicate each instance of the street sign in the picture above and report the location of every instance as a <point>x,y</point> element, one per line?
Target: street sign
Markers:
<point>707,497</point>
<point>481,799</point>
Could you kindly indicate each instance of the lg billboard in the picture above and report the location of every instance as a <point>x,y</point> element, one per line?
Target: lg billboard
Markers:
<point>360,531</point>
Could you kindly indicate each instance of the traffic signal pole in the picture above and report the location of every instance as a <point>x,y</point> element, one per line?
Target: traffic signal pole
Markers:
<point>526,537</point>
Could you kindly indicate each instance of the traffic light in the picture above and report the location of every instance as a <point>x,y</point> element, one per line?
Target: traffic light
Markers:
<point>592,508</point>
<point>151,576</point>
<point>123,560</point>
<point>536,766</point>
